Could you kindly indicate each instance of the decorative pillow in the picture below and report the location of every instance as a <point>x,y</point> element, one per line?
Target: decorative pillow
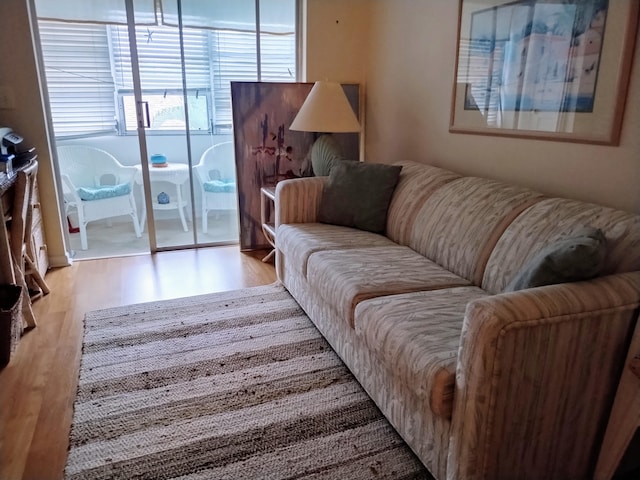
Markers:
<point>358,195</point>
<point>104,191</point>
<point>220,186</point>
<point>325,153</point>
<point>575,258</point>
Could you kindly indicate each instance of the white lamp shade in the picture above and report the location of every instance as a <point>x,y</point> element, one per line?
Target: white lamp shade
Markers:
<point>326,110</point>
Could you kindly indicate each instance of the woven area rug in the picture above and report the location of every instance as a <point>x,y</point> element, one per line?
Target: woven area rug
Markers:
<point>236,385</point>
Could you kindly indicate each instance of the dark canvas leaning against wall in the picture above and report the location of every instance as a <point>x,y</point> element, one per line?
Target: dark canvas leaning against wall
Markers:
<point>267,151</point>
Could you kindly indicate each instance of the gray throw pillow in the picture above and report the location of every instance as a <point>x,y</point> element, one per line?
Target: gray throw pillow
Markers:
<point>571,259</point>
<point>358,195</point>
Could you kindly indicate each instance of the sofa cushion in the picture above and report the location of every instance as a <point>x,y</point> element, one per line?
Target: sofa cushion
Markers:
<point>553,219</point>
<point>459,225</point>
<point>358,195</point>
<point>344,278</point>
<point>571,259</point>
<point>416,337</point>
<point>417,183</point>
<point>297,241</point>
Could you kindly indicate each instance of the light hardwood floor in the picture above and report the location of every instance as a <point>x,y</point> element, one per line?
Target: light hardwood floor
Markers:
<point>37,388</point>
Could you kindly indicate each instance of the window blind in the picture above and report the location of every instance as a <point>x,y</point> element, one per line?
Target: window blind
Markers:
<point>79,80</point>
<point>88,69</point>
<point>234,58</point>
<point>159,58</point>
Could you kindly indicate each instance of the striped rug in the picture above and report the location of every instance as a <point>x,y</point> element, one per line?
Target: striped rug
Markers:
<point>235,385</point>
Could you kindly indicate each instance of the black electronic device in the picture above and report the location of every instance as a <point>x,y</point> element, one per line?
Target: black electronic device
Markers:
<point>8,141</point>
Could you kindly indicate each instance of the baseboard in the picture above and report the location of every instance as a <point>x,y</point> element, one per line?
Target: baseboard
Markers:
<point>60,261</point>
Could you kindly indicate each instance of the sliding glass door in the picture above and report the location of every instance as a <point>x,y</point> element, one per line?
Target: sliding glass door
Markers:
<point>148,82</point>
<point>222,41</point>
<point>156,105</point>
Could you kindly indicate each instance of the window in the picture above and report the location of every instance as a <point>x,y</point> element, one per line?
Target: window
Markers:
<point>160,65</point>
<point>89,75</point>
<point>165,111</point>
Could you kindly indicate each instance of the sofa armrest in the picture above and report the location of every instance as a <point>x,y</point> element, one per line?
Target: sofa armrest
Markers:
<point>298,200</point>
<point>536,375</point>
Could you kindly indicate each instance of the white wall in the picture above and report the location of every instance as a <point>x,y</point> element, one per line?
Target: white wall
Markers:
<point>409,81</point>
<point>335,40</point>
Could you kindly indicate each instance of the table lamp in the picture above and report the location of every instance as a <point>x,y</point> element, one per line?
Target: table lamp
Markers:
<point>325,110</point>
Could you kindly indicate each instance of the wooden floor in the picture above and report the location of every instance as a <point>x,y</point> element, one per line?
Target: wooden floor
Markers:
<point>37,388</point>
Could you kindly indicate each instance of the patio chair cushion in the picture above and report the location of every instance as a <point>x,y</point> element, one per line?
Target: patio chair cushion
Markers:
<point>220,186</point>
<point>104,191</point>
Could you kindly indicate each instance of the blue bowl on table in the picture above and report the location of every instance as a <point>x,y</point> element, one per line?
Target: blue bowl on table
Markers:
<point>158,159</point>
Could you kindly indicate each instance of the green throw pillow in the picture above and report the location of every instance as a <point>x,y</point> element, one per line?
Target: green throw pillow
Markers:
<point>575,258</point>
<point>358,195</point>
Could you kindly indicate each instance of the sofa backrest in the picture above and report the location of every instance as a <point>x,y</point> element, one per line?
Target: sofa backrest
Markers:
<point>416,184</point>
<point>552,219</point>
<point>459,223</point>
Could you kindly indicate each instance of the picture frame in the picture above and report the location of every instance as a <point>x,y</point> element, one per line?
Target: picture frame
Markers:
<point>544,69</point>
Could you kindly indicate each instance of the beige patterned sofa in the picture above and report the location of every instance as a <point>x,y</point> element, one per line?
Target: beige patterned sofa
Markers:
<point>481,384</point>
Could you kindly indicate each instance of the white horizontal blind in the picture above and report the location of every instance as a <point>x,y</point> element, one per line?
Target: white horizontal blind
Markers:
<point>159,58</point>
<point>84,90</point>
<point>79,80</point>
<point>235,59</point>
<point>278,57</point>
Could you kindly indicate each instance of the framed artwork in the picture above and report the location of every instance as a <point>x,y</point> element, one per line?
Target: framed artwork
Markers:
<point>547,69</point>
<point>267,151</point>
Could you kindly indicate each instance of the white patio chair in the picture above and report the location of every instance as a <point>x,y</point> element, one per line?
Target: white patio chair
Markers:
<point>216,174</point>
<point>97,186</point>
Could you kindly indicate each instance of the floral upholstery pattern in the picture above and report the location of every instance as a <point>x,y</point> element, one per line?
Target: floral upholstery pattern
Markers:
<point>300,240</point>
<point>344,278</point>
<point>417,183</point>
<point>416,336</point>
<point>460,223</point>
<point>555,218</point>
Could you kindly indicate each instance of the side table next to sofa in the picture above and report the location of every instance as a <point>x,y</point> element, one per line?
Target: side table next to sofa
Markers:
<point>267,207</point>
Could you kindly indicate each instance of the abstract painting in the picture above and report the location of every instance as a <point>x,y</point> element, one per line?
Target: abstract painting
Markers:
<point>267,151</point>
